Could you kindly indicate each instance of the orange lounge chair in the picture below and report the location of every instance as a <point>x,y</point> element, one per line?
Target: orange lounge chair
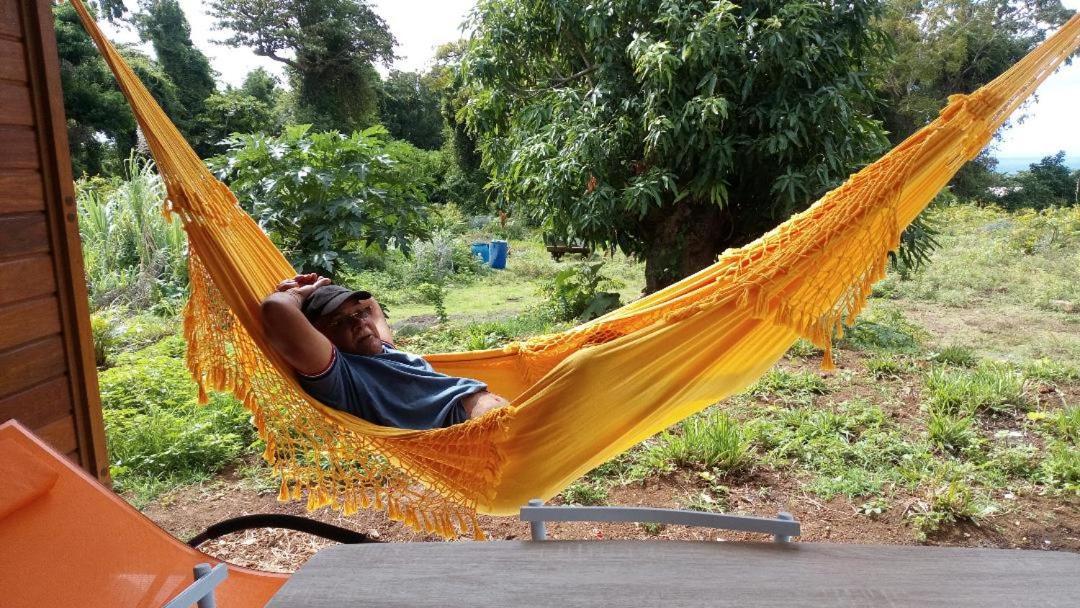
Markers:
<point>67,541</point>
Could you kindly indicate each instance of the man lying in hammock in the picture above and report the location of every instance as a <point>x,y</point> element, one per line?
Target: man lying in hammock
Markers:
<point>340,345</point>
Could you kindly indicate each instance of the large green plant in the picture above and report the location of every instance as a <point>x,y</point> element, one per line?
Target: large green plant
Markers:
<point>321,194</point>
<point>672,130</point>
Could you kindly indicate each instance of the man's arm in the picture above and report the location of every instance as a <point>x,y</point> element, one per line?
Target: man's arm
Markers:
<point>385,333</point>
<point>289,331</point>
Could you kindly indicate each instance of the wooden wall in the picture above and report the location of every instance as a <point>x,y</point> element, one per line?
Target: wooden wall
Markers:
<point>47,377</point>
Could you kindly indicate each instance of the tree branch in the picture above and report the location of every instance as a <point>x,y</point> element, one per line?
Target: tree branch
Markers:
<point>272,55</point>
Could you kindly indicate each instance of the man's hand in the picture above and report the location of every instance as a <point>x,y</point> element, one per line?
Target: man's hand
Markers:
<point>303,284</point>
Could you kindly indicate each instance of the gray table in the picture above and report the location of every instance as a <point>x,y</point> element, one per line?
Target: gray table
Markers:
<point>661,573</point>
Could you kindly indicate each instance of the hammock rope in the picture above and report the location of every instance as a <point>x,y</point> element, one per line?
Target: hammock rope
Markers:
<point>580,397</point>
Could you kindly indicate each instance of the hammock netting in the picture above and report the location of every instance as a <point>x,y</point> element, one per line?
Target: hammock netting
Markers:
<point>581,397</point>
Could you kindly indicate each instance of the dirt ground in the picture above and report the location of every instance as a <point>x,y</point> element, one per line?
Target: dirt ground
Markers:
<point>1030,522</point>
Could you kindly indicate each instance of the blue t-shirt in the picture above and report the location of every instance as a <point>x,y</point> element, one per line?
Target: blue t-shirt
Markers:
<point>394,388</point>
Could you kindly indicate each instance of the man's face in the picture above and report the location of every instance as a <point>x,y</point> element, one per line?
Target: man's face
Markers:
<point>351,328</point>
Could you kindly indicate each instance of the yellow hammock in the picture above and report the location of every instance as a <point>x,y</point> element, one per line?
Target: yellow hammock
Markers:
<point>580,397</point>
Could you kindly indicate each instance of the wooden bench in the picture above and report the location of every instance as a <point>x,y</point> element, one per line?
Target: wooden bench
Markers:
<point>558,251</point>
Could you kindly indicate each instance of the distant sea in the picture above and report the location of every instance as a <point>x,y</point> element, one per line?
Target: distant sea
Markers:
<point>1012,164</point>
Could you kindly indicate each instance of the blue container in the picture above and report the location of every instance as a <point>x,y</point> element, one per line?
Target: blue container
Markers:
<point>482,251</point>
<point>499,250</point>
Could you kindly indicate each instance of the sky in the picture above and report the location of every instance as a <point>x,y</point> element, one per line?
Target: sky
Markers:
<point>1052,122</point>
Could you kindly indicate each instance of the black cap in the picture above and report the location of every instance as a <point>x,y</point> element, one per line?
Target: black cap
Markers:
<point>327,299</point>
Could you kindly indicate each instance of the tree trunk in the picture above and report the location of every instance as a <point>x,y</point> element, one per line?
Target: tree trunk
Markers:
<point>682,240</point>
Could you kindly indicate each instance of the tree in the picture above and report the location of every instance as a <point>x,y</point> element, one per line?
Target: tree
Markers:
<point>163,24</point>
<point>101,127</point>
<point>160,85</point>
<point>464,179</point>
<point>1046,183</point>
<point>975,179</point>
<point>329,47</point>
<point>944,47</point>
<point>92,102</point>
<point>233,111</point>
<point>411,109</point>
<point>261,85</point>
<point>112,9</point>
<point>672,130</point>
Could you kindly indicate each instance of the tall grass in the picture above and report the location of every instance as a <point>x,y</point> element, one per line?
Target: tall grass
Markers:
<point>989,387</point>
<point>133,255</point>
<point>714,441</point>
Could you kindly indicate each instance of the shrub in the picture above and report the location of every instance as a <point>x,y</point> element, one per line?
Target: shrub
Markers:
<point>1048,370</point>
<point>450,218</point>
<point>1020,461</point>
<point>515,228</point>
<point>884,366</point>
<point>579,292</point>
<point>158,435</point>
<point>705,501</point>
<point>482,335</point>
<point>437,259</point>
<point>946,504</point>
<point>803,348</point>
<point>1066,424</point>
<point>106,339</point>
<point>435,294</point>
<point>137,331</point>
<point>874,508</point>
<point>883,330</point>
<point>855,450</point>
<point>1061,466</point>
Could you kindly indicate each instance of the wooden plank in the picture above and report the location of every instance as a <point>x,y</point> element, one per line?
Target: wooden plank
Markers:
<point>41,53</point>
<point>12,61</point>
<point>39,404</point>
<point>9,20</point>
<point>21,191</point>
<point>674,574</point>
<point>27,321</point>
<point>24,278</point>
<point>24,235</point>
<point>20,148</point>
<point>60,434</point>
<point>15,108</point>
<point>27,366</point>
